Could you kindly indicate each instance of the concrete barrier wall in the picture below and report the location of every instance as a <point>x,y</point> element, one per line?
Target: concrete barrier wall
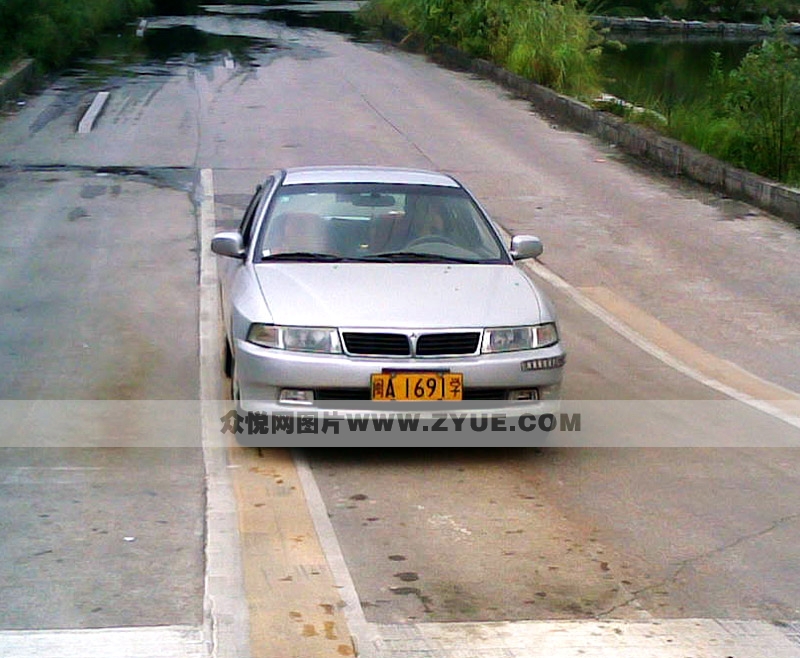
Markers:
<point>672,156</point>
<point>19,77</point>
<point>689,28</point>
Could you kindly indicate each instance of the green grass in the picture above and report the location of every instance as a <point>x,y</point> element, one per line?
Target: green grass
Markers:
<point>552,43</point>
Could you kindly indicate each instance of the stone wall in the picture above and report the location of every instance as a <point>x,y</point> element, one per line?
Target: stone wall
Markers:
<point>688,28</point>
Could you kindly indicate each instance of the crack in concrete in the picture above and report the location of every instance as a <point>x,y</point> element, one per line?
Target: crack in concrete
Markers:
<point>387,120</point>
<point>684,564</point>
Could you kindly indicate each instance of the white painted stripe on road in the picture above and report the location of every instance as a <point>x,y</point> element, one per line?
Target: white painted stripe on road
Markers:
<point>226,619</point>
<point>209,321</point>
<point>366,635</point>
<point>666,638</point>
<point>654,350</point>
<point>87,122</point>
<point>145,642</point>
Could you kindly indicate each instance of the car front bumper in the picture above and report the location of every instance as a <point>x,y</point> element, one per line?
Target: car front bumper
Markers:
<point>262,373</point>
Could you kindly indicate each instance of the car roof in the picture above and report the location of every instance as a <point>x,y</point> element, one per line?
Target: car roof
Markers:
<point>397,175</point>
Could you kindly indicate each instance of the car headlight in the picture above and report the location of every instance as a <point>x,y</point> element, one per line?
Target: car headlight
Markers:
<point>513,339</point>
<point>298,339</point>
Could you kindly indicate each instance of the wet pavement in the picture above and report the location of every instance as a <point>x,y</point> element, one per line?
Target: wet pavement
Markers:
<point>232,34</point>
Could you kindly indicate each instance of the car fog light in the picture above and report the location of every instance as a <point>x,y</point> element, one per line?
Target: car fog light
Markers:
<point>296,396</point>
<point>550,363</point>
<point>524,394</point>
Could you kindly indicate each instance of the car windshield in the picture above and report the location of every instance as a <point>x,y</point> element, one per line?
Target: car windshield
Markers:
<point>377,223</point>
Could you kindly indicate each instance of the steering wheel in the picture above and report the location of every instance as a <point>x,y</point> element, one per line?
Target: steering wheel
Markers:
<point>426,239</point>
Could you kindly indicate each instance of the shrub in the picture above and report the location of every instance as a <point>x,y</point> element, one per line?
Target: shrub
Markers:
<point>52,31</point>
<point>764,97</point>
<point>751,116</point>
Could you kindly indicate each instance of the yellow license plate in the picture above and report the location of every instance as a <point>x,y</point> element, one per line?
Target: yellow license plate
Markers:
<point>417,386</point>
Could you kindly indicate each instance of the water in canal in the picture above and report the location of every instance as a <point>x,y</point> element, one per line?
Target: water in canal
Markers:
<point>665,70</point>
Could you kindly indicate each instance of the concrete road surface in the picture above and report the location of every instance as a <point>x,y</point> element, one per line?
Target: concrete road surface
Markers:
<point>666,292</point>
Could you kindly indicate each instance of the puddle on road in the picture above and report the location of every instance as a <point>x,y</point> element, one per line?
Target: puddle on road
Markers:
<point>175,43</point>
<point>202,37</point>
<point>162,49</point>
<point>331,15</point>
<point>227,35</point>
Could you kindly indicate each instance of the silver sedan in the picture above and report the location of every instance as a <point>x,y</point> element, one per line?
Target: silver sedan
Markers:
<point>352,286</point>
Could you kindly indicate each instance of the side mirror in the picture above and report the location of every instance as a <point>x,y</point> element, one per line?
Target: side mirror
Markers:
<point>228,244</point>
<point>526,246</point>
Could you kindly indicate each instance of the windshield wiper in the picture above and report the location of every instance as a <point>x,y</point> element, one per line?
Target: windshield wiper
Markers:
<point>417,257</point>
<point>305,256</point>
<point>388,257</point>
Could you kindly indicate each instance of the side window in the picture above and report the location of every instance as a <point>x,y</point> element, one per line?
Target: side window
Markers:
<point>246,227</point>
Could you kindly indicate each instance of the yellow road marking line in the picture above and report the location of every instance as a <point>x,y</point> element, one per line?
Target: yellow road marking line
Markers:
<point>651,335</point>
<point>712,366</point>
<point>295,605</point>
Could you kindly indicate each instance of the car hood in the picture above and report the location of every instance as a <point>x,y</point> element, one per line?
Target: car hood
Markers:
<point>400,295</point>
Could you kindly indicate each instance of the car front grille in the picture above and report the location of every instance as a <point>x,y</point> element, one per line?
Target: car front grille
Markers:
<point>342,394</point>
<point>485,393</point>
<point>401,344</point>
<point>448,344</point>
<point>370,344</point>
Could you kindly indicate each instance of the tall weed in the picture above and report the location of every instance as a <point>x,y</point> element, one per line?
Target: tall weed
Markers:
<point>550,42</point>
<point>553,44</point>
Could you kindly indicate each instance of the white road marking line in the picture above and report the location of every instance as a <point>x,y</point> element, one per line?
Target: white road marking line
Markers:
<point>366,635</point>
<point>60,468</point>
<point>665,638</point>
<point>209,324</point>
<point>87,122</point>
<point>144,642</point>
<point>654,350</point>
<point>226,620</point>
